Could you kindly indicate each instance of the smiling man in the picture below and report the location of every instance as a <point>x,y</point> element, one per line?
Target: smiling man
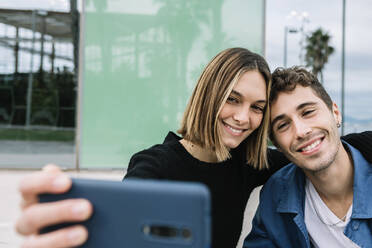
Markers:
<point>322,199</point>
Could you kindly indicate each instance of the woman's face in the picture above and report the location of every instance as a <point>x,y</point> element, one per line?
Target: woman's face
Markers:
<point>242,113</point>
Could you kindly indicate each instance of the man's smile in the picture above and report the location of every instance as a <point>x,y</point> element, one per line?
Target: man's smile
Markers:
<point>312,146</point>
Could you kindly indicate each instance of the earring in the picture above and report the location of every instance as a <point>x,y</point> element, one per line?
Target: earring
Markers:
<point>338,125</point>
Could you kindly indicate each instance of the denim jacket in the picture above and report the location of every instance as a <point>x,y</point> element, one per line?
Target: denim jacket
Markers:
<point>279,220</point>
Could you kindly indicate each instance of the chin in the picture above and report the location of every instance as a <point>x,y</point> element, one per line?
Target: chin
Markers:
<point>231,145</point>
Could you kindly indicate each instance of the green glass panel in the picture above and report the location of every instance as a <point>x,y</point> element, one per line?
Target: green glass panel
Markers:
<point>142,59</point>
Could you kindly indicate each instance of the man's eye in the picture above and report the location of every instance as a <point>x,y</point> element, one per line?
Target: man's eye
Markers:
<point>307,112</point>
<point>281,126</point>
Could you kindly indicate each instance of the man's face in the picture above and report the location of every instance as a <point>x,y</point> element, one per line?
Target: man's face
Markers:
<point>305,129</point>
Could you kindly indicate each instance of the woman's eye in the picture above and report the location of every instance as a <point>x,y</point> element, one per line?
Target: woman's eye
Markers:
<point>258,108</point>
<point>232,99</point>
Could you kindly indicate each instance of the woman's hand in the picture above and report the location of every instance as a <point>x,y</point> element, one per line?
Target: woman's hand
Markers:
<point>37,215</point>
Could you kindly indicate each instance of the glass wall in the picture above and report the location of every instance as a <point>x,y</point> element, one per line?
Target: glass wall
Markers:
<point>141,60</point>
<point>38,84</point>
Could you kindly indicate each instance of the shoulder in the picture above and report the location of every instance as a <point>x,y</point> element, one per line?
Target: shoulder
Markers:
<point>161,152</point>
<point>359,140</point>
<point>274,194</point>
<point>365,136</point>
<point>155,161</point>
<point>157,152</point>
<point>279,180</point>
<point>362,142</point>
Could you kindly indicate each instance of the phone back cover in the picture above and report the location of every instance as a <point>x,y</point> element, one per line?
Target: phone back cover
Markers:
<point>123,210</point>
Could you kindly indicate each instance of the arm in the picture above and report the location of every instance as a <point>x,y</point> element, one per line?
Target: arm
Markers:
<point>35,215</point>
<point>276,161</point>
<point>362,142</point>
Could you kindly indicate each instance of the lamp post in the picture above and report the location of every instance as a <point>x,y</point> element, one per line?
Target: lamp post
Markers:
<point>286,31</point>
<point>343,68</point>
<point>303,18</point>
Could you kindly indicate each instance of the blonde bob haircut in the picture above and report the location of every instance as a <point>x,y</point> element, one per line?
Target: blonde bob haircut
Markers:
<point>200,119</point>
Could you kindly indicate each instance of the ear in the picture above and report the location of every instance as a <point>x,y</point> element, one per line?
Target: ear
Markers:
<point>336,113</point>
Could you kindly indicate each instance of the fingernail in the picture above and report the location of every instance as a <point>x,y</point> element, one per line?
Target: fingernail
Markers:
<point>80,209</point>
<point>76,236</point>
<point>60,182</point>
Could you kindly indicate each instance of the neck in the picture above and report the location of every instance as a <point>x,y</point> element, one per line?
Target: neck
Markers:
<point>335,183</point>
<point>198,152</point>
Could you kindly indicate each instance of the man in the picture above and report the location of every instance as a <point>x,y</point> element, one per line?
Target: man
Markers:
<point>322,199</point>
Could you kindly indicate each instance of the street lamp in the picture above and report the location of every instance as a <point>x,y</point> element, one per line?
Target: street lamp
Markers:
<point>303,18</point>
<point>286,31</point>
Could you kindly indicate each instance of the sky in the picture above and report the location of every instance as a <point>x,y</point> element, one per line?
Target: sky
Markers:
<point>324,14</point>
<point>329,18</point>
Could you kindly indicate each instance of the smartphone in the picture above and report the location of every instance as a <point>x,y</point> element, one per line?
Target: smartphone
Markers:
<point>142,213</point>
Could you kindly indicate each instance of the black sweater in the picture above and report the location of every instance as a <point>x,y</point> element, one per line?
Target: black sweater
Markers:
<point>230,182</point>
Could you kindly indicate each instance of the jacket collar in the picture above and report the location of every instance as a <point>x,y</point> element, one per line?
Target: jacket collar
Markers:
<point>292,196</point>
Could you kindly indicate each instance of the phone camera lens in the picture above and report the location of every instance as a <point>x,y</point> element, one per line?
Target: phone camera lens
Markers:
<point>186,233</point>
<point>146,229</point>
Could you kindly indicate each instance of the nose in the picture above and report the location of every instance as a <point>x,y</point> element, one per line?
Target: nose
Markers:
<point>301,128</point>
<point>242,115</point>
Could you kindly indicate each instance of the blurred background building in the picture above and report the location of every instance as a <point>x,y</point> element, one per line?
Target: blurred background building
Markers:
<point>85,84</point>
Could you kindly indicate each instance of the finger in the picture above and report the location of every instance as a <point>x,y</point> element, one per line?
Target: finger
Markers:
<point>51,168</point>
<point>49,180</point>
<point>42,182</point>
<point>67,237</point>
<point>41,215</point>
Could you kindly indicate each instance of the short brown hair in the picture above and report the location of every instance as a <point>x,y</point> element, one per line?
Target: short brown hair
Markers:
<point>199,122</point>
<point>286,80</point>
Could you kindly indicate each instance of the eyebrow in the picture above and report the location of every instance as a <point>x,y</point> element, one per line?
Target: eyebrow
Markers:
<point>240,95</point>
<point>298,108</point>
<point>236,93</point>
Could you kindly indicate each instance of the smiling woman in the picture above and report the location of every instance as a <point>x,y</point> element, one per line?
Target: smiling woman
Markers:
<point>224,126</point>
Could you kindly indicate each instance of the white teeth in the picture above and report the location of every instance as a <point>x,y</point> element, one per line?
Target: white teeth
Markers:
<point>234,130</point>
<point>312,146</point>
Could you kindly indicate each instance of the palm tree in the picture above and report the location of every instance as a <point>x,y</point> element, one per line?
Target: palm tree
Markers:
<point>318,51</point>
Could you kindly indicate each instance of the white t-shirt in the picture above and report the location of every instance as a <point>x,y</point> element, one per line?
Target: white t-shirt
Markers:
<point>324,227</point>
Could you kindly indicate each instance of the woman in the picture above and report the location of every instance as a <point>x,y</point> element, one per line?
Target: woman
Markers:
<point>227,106</point>
<point>223,145</point>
